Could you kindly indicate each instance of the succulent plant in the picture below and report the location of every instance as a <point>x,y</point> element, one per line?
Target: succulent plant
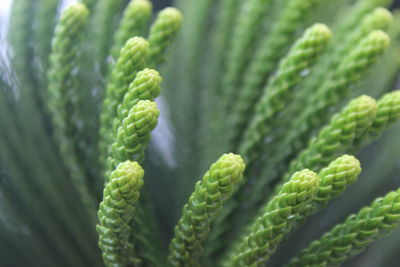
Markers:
<point>117,108</point>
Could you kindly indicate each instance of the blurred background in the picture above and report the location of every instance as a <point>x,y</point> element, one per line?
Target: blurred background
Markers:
<point>338,207</point>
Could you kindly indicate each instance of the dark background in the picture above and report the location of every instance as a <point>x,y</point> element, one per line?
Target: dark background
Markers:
<point>162,3</point>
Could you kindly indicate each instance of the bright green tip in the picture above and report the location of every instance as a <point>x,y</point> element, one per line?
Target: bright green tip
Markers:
<point>382,18</point>
<point>78,8</point>
<point>137,43</point>
<point>321,30</point>
<point>379,38</point>
<point>147,107</point>
<point>142,5</point>
<point>348,162</point>
<point>150,75</point>
<point>362,105</point>
<point>394,96</point>
<point>171,13</point>
<point>129,171</point>
<point>232,163</point>
<point>388,109</point>
<point>345,168</point>
<point>305,175</point>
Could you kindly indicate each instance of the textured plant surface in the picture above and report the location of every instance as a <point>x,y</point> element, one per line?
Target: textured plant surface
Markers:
<point>118,107</point>
<point>275,221</point>
<point>204,205</point>
<point>354,235</point>
<point>115,213</point>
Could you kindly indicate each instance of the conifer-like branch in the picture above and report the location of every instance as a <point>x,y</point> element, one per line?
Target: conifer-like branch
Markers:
<point>378,19</point>
<point>271,48</point>
<point>146,86</point>
<point>62,86</point>
<point>133,23</point>
<point>133,58</point>
<point>134,134</point>
<point>116,213</point>
<point>350,72</point>
<point>163,33</point>
<point>276,220</point>
<point>302,55</point>
<point>328,96</point>
<point>388,113</point>
<point>354,235</point>
<point>203,206</point>
<point>334,180</point>
<point>336,138</point>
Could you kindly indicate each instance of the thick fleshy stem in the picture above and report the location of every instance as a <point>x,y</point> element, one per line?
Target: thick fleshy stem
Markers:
<point>116,213</point>
<point>275,222</point>
<point>354,235</point>
<point>163,33</point>
<point>204,205</point>
<point>133,23</point>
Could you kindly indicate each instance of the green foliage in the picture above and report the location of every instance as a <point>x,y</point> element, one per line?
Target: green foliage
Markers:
<point>271,48</point>
<point>43,29</point>
<point>133,23</point>
<point>146,86</point>
<point>20,35</point>
<point>62,90</point>
<point>388,113</point>
<point>133,134</point>
<point>162,34</point>
<point>115,213</point>
<point>275,222</point>
<point>204,205</point>
<point>83,88</point>
<point>244,37</point>
<point>133,58</point>
<point>278,91</point>
<point>334,180</point>
<point>354,235</point>
<point>338,137</point>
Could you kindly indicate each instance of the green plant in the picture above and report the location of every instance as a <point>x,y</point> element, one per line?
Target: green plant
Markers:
<point>106,97</point>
